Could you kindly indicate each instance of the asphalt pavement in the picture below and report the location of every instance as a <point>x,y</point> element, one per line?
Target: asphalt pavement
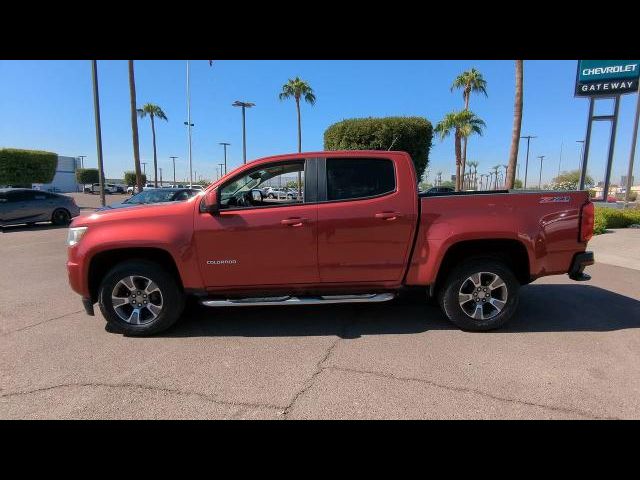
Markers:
<point>573,351</point>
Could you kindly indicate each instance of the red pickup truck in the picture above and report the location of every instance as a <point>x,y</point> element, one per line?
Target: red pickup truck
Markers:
<point>357,230</point>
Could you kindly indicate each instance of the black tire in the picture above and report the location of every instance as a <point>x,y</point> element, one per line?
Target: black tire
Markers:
<point>449,294</point>
<point>60,216</point>
<point>173,299</point>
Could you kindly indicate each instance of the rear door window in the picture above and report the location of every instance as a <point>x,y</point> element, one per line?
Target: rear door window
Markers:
<point>353,178</point>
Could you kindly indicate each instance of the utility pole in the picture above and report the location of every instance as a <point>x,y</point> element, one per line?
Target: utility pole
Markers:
<point>174,169</point>
<point>225,145</point>
<point>560,161</point>
<point>244,105</point>
<point>82,157</point>
<point>189,124</point>
<point>541,157</point>
<point>96,109</point>
<point>526,165</point>
<point>160,176</point>
<point>581,142</point>
<point>221,166</point>
<point>144,168</point>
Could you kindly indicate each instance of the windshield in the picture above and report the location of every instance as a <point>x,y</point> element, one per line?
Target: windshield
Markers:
<point>152,196</point>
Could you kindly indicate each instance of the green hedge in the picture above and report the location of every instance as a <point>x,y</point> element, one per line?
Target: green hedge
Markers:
<point>613,218</point>
<point>130,178</point>
<point>24,167</point>
<point>412,135</point>
<point>87,175</point>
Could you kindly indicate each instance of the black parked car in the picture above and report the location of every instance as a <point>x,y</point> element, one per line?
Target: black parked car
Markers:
<point>154,195</point>
<point>23,205</point>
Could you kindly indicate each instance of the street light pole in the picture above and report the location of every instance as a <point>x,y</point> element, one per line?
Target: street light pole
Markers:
<point>96,108</point>
<point>189,124</point>
<point>82,157</point>
<point>541,157</point>
<point>225,145</point>
<point>244,105</point>
<point>526,165</point>
<point>160,176</point>
<point>174,169</point>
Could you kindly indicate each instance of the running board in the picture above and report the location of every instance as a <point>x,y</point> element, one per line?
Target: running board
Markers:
<point>291,300</point>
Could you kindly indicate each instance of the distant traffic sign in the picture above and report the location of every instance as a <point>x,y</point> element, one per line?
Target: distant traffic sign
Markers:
<point>606,77</point>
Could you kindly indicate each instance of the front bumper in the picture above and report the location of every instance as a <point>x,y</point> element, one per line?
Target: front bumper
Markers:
<point>578,264</point>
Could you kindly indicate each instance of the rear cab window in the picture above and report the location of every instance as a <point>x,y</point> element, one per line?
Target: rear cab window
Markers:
<point>355,178</point>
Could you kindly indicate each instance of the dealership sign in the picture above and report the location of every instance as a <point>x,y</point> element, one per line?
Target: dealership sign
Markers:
<point>607,77</point>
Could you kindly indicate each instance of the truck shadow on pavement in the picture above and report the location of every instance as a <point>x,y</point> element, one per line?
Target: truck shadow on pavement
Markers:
<point>543,308</point>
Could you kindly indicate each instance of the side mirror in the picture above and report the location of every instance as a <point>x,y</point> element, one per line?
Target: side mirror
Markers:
<point>211,202</point>
<point>256,195</point>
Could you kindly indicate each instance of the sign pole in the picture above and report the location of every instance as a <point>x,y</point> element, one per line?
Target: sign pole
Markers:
<point>634,139</point>
<point>612,142</point>
<point>587,140</point>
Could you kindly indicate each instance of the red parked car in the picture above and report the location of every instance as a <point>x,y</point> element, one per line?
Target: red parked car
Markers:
<point>361,233</point>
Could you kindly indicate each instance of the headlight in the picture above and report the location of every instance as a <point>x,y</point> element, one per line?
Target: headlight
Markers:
<point>75,234</point>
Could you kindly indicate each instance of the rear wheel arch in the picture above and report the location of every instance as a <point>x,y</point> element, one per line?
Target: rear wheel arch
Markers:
<point>102,262</point>
<point>511,252</point>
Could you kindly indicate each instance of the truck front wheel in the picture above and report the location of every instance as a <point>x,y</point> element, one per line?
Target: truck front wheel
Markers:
<point>139,298</point>
<point>480,294</point>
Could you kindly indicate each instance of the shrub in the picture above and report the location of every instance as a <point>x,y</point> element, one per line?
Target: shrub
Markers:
<point>24,167</point>
<point>613,218</point>
<point>130,178</point>
<point>87,175</point>
<point>409,134</point>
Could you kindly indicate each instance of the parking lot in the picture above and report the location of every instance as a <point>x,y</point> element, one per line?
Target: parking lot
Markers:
<point>573,351</point>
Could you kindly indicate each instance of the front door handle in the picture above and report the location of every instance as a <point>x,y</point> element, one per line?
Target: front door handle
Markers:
<point>388,215</point>
<point>293,222</point>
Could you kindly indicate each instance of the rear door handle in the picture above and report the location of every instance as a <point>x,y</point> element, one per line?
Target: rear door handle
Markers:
<point>388,215</point>
<point>293,222</point>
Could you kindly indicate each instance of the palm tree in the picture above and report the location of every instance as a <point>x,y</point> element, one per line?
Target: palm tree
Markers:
<point>153,111</point>
<point>462,124</point>
<point>506,169</point>
<point>517,124</point>
<point>496,171</point>
<point>297,89</point>
<point>469,82</point>
<point>134,126</point>
<point>473,168</point>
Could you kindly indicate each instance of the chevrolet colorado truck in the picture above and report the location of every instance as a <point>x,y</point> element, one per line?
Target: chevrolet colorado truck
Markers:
<point>360,233</point>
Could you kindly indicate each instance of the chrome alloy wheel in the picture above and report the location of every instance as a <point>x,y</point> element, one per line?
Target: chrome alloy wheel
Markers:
<point>137,300</point>
<point>483,295</point>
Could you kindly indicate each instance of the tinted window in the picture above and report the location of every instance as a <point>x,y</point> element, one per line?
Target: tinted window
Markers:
<point>19,196</point>
<point>359,177</point>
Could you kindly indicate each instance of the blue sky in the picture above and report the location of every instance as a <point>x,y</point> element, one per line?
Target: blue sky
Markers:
<point>48,105</point>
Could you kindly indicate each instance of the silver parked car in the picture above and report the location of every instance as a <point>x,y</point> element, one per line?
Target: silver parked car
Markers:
<point>22,205</point>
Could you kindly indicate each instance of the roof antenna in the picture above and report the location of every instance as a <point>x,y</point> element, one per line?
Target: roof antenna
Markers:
<point>395,137</point>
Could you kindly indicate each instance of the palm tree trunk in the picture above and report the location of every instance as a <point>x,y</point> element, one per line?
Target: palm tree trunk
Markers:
<point>299,147</point>
<point>467,94</point>
<point>155,157</point>
<point>517,124</point>
<point>134,126</point>
<point>458,162</point>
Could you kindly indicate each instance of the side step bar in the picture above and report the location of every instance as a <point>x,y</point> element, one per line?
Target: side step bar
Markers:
<point>291,300</point>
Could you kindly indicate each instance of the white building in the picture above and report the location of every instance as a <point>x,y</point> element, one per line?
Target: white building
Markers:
<point>65,177</point>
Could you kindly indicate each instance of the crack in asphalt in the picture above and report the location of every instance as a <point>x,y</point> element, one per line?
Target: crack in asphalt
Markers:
<point>40,323</point>
<point>319,368</point>
<point>145,387</point>
<point>470,390</point>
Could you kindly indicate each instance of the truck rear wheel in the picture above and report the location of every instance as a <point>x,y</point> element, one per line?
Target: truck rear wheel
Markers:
<point>481,294</point>
<point>139,298</point>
